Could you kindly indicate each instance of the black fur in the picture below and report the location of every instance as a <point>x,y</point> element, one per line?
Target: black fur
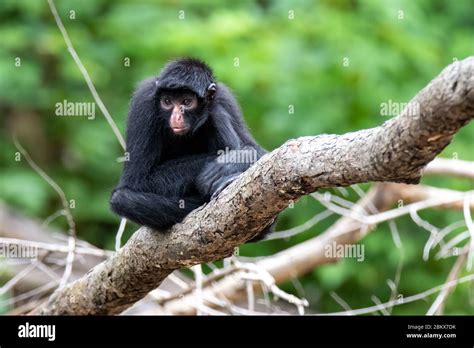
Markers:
<point>168,176</point>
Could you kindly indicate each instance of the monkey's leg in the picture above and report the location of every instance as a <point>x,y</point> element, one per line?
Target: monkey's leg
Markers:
<point>151,209</point>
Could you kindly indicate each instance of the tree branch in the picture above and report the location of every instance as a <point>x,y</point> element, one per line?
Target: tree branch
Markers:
<point>396,151</point>
<point>300,259</point>
<point>451,167</point>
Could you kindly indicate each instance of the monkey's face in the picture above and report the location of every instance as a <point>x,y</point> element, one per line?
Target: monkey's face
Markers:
<point>181,109</point>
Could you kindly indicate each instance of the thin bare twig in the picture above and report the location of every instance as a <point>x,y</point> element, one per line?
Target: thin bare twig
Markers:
<point>85,74</point>
<point>52,217</point>
<point>470,227</point>
<point>118,236</point>
<point>451,167</point>
<point>197,269</point>
<point>405,300</point>
<point>72,226</point>
<point>438,305</point>
<point>56,247</point>
<point>301,228</point>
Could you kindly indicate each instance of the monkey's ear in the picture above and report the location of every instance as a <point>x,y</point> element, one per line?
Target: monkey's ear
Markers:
<point>211,90</point>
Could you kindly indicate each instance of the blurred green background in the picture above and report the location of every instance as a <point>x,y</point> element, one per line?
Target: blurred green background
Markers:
<point>289,53</point>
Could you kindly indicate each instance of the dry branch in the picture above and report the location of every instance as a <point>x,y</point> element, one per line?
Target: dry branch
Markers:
<point>16,226</point>
<point>290,263</point>
<point>452,167</point>
<point>304,257</point>
<point>396,151</point>
<point>409,194</point>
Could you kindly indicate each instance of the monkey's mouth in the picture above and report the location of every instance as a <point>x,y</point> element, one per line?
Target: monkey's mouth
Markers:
<point>180,130</point>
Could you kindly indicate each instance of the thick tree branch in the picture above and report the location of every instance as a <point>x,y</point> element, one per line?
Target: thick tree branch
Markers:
<point>396,151</point>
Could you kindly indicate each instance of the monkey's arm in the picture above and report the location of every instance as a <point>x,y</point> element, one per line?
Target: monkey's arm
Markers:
<point>234,144</point>
<point>143,127</point>
<point>163,198</point>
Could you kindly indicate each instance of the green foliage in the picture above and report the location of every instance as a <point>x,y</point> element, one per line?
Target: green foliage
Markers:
<point>282,62</point>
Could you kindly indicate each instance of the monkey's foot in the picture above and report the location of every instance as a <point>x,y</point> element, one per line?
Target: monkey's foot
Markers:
<point>222,183</point>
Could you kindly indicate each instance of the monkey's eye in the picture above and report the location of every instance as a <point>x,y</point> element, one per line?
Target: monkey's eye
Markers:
<point>166,102</point>
<point>187,102</point>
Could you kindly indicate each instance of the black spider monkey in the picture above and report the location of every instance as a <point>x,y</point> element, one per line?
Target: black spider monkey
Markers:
<point>183,132</point>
